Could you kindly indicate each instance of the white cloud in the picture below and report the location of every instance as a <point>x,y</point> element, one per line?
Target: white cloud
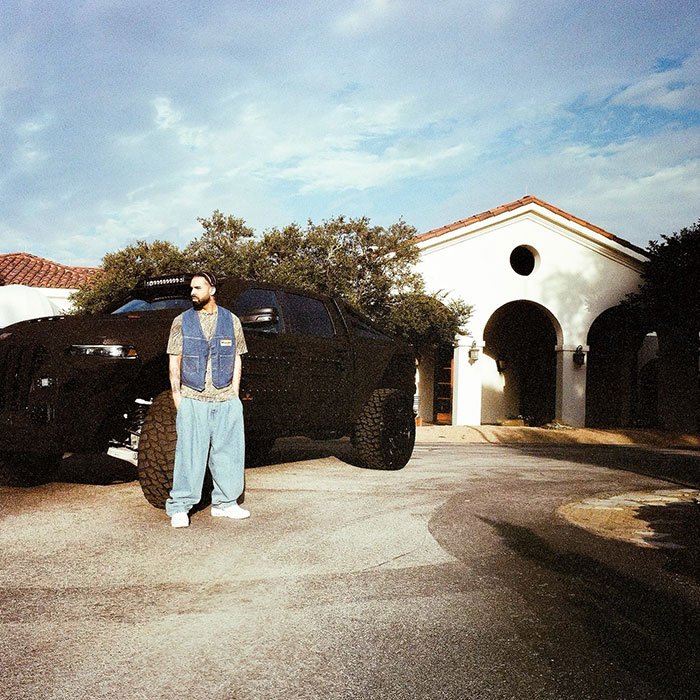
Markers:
<point>638,189</point>
<point>27,158</point>
<point>143,118</point>
<point>498,11</point>
<point>357,144</point>
<point>337,171</point>
<point>34,126</point>
<point>678,88</point>
<point>168,118</point>
<point>365,15</point>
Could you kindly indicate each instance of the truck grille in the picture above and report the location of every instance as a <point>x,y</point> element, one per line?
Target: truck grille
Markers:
<point>18,366</point>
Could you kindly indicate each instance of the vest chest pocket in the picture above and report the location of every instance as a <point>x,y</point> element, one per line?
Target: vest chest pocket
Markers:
<point>225,347</point>
<point>225,360</point>
<point>226,354</point>
<point>190,364</point>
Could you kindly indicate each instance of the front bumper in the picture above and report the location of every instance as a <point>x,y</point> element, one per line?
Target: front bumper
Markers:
<point>58,404</point>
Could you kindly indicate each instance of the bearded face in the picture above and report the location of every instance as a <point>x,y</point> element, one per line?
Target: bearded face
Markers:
<point>200,292</point>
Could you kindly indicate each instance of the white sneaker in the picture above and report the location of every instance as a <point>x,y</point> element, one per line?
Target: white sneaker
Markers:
<point>234,511</point>
<point>180,520</point>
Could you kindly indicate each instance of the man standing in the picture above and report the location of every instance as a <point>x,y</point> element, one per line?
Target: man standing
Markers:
<point>205,348</point>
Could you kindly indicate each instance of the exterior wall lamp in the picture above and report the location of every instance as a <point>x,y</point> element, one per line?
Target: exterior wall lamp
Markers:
<point>579,356</point>
<point>473,353</point>
<point>501,365</point>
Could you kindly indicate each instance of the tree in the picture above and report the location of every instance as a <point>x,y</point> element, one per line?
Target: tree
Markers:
<point>372,267</point>
<point>122,270</point>
<point>347,257</point>
<point>668,302</point>
<point>669,296</point>
<point>427,319</point>
<point>227,247</point>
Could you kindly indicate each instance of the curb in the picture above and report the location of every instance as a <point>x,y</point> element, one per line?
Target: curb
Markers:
<point>563,435</point>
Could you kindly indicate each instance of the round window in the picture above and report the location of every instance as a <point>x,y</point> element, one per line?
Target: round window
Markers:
<point>523,260</point>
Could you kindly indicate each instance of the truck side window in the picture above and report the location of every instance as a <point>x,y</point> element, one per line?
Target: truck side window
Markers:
<point>258,310</point>
<point>306,316</point>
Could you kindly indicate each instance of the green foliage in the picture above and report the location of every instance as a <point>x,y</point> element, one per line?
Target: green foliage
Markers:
<point>669,296</point>
<point>123,269</point>
<point>349,258</point>
<point>227,247</point>
<point>370,266</point>
<point>427,319</point>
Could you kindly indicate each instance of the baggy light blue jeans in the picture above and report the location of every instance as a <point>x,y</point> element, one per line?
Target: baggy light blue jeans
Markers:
<point>208,433</point>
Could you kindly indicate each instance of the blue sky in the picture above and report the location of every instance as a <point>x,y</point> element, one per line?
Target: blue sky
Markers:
<point>126,120</point>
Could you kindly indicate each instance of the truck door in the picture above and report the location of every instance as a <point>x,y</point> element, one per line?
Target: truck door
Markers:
<point>266,381</point>
<point>322,361</point>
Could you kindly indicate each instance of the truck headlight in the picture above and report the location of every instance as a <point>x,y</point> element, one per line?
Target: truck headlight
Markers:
<point>125,352</point>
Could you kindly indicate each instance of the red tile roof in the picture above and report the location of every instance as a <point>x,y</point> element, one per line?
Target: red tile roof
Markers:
<point>529,199</point>
<point>24,268</point>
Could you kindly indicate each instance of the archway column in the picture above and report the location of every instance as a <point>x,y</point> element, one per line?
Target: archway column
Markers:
<point>466,387</point>
<point>571,386</point>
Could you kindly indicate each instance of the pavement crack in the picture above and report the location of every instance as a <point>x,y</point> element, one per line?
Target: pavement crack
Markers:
<point>388,561</point>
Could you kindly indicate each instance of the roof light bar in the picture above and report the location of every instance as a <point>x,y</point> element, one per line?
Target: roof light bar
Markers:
<point>164,281</point>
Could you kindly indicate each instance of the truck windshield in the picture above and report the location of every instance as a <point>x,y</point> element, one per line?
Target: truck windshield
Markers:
<point>155,305</point>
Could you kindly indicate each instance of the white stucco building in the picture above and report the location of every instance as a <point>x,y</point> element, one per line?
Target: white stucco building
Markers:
<point>543,284</point>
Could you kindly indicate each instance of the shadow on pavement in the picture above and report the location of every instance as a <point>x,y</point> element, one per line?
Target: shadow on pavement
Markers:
<point>299,449</point>
<point>651,633</point>
<point>95,469</point>
<point>103,469</point>
<point>674,465</point>
<point>678,523</point>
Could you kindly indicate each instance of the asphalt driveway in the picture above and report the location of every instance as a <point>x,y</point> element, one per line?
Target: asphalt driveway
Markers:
<point>461,576</point>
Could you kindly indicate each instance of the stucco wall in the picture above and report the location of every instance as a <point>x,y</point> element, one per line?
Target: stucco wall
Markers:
<point>575,279</point>
<point>578,274</point>
<point>59,297</point>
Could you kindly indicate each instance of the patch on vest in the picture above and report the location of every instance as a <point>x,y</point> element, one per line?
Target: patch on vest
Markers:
<point>227,342</point>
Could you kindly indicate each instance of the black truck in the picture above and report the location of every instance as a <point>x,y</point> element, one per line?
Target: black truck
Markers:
<point>315,367</point>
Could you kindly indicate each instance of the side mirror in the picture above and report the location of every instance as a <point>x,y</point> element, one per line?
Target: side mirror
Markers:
<point>264,317</point>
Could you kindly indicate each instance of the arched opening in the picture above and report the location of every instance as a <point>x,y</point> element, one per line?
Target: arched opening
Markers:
<point>520,337</point>
<point>648,395</point>
<point>611,375</point>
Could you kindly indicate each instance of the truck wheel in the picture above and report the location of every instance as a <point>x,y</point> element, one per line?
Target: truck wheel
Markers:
<point>28,468</point>
<point>385,430</point>
<point>157,450</point>
<point>157,453</point>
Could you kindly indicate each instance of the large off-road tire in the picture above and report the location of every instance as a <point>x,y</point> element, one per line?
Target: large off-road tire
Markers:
<point>28,468</point>
<point>385,430</point>
<point>157,450</point>
<point>157,453</point>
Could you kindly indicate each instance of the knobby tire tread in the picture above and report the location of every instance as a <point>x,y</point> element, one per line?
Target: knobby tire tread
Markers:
<point>367,435</point>
<point>157,450</point>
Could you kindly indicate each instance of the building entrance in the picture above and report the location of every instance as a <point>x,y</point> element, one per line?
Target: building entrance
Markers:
<point>521,339</point>
<point>611,389</point>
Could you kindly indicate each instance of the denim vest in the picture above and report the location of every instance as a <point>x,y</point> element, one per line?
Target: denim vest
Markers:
<point>196,350</point>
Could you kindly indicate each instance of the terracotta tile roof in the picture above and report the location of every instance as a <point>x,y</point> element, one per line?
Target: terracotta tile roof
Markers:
<point>529,199</point>
<point>24,268</point>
